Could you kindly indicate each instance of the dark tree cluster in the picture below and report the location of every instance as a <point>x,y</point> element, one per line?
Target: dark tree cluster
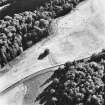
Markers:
<point>21,31</point>
<point>77,83</point>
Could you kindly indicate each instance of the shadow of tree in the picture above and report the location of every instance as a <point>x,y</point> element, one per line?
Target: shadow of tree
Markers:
<point>48,96</point>
<point>21,6</point>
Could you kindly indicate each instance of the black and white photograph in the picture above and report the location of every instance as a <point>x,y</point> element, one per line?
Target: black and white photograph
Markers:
<point>52,52</point>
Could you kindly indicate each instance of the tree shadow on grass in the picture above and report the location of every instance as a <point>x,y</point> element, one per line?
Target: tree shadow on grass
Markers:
<point>45,96</point>
<point>48,96</point>
<point>20,6</point>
